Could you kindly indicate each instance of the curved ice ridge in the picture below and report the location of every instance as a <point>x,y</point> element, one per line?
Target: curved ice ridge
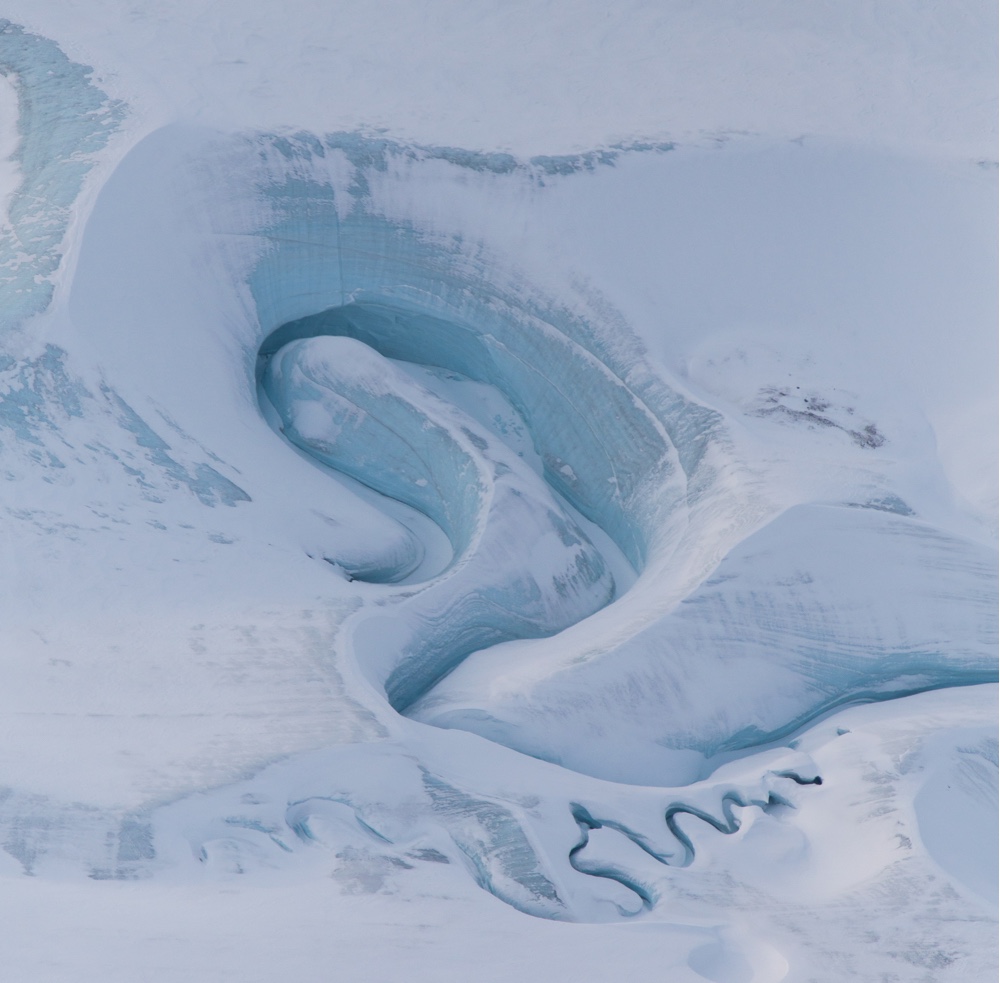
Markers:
<point>816,607</point>
<point>523,567</point>
<point>615,442</point>
<point>601,447</point>
<point>528,568</point>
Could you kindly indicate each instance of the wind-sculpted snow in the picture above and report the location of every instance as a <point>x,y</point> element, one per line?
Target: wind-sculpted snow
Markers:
<point>813,608</point>
<point>549,857</point>
<point>526,568</point>
<point>400,538</point>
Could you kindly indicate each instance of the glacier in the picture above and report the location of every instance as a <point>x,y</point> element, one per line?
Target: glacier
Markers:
<point>633,456</point>
<point>576,555</point>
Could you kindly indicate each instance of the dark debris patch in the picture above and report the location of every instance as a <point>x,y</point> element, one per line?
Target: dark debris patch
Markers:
<point>813,410</point>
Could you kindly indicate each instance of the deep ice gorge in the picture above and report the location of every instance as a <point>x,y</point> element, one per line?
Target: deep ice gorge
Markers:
<point>648,466</point>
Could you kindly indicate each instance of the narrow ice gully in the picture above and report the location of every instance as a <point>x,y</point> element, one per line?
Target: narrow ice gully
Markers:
<point>371,512</point>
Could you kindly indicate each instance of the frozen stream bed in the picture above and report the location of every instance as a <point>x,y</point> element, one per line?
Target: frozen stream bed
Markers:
<point>446,550</point>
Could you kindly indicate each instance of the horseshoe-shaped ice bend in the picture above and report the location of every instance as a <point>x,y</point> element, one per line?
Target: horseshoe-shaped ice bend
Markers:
<point>650,467</point>
<point>337,237</point>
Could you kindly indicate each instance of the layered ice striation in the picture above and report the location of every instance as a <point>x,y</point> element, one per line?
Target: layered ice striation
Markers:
<point>601,448</point>
<point>526,568</point>
<point>602,431</point>
<point>823,606</point>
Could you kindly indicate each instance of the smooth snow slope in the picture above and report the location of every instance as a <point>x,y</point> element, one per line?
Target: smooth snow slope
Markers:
<point>341,344</point>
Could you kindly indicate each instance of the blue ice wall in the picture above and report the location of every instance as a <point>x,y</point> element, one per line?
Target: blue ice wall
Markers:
<point>614,442</point>
<point>350,409</point>
<point>601,451</point>
<point>527,569</point>
<point>614,439</point>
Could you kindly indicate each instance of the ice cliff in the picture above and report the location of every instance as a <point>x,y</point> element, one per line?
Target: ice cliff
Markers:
<point>781,616</point>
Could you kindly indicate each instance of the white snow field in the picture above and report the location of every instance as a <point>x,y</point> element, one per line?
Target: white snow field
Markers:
<point>498,491</point>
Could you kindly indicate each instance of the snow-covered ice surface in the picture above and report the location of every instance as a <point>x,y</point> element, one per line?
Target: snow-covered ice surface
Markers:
<point>498,491</point>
